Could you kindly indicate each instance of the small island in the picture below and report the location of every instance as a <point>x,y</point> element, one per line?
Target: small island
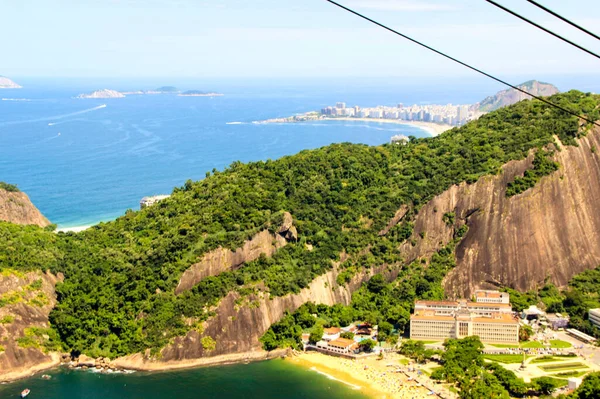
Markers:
<point>6,83</point>
<point>104,93</point>
<point>198,93</point>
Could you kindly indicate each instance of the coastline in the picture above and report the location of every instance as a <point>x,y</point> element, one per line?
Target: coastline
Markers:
<point>434,129</point>
<point>21,373</point>
<point>139,363</point>
<point>372,376</point>
<point>74,229</point>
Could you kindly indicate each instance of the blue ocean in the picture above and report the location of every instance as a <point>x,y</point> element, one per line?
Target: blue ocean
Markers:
<point>82,161</point>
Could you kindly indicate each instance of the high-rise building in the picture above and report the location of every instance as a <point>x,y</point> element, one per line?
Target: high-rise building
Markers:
<point>340,105</point>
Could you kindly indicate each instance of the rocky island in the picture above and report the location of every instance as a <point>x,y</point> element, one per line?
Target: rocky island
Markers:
<point>104,93</point>
<point>198,93</point>
<point>160,90</point>
<point>6,83</point>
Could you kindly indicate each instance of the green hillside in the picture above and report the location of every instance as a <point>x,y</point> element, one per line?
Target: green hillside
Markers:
<point>118,294</point>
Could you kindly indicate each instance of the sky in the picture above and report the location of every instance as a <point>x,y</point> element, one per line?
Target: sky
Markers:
<point>288,38</point>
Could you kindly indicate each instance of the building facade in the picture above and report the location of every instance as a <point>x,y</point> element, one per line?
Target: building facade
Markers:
<point>594,316</point>
<point>492,322</point>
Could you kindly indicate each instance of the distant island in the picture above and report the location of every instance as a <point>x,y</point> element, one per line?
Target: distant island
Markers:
<point>198,93</point>
<point>104,93</point>
<point>435,118</point>
<point>6,83</point>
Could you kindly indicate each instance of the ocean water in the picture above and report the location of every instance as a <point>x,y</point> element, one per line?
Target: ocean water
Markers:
<point>82,161</point>
<point>274,379</point>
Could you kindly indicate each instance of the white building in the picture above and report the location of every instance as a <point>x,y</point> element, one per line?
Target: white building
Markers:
<point>594,316</point>
<point>148,201</point>
<point>486,296</point>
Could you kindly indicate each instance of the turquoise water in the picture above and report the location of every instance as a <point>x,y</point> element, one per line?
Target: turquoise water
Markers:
<point>264,380</point>
<point>82,162</point>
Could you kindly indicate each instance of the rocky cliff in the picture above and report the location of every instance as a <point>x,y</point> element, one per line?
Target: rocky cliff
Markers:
<point>223,259</point>
<point>512,96</point>
<point>551,230</point>
<point>240,322</point>
<point>15,207</point>
<point>26,300</point>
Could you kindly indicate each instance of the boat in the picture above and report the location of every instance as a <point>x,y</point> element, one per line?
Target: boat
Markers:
<point>25,392</point>
<point>46,377</point>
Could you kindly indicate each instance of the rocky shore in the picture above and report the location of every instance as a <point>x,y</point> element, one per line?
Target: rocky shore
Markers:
<point>137,362</point>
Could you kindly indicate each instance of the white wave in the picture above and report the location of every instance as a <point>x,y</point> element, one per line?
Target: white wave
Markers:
<point>51,124</point>
<point>51,118</point>
<point>330,377</point>
<point>16,99</point>
<point>234,123</point>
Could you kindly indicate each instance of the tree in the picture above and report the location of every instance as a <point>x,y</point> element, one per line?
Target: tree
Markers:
<point>589,389</point>
<point>367,345</point>
<point>316,334</point>
<point>545,385</point>
<point>525,332</point>
<point>347,335</point>
<point>376,284</point>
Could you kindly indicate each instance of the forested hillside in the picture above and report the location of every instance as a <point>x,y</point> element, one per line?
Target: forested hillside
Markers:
<point>118,294</point>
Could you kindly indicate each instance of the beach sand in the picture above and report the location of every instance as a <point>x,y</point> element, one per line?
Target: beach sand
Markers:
<point>432,128</point>
<point>76,229</point>
<point>372,376</point>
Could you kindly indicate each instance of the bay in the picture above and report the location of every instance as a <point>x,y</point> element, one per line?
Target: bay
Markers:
<point>264,380</point>
<point>82,161</point>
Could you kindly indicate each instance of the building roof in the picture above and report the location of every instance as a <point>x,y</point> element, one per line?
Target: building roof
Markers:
<point>451,303</point>
<point>488,294</point>
<point>332,330</point>
<point>488,305</point>
<point>503,318</point>
<point>342,342</point>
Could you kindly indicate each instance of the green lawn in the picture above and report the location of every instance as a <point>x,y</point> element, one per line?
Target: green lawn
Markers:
<point>504,346</point>
<point>532,345</point>
<point>549,368</point>
<point>557,343</point>
<point>427,342</point>
<point>546,359</point>
<point>569,374</point>
<point>504,358</point>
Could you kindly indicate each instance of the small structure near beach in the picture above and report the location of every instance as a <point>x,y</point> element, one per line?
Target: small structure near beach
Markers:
<point>148,201</point>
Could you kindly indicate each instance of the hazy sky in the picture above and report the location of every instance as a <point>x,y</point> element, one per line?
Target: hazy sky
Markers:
<point>285,38</point>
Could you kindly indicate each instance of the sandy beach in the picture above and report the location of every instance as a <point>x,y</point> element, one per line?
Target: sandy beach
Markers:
<point>372,376</point>
<point>75,229</point>
<point>432,128</point>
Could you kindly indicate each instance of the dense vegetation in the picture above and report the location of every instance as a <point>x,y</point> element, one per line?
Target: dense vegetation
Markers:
<point>118,294</point>
<point>9,187</point>
<point>581,295</point>
<point>542,166</point>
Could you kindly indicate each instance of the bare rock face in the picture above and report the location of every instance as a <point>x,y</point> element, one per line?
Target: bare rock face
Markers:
<point>30,298</point>
<point>551,230</point>
<point>240,322</point>
<point>223,259</point>
<point>15,207</point>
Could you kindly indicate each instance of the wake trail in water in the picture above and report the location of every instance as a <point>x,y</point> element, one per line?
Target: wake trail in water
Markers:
<point>51,118</point>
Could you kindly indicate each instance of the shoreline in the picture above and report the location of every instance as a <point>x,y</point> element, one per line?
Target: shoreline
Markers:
<point>20,374</point>
<point>373,377</point>
<point>434,129</point>
<point>138,363</point>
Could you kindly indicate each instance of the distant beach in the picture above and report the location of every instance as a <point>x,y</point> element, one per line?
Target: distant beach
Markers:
<point>75,229</point>
<point>432,128</point>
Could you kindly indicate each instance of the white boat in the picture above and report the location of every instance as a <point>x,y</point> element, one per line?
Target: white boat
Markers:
<point>25,392</point>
